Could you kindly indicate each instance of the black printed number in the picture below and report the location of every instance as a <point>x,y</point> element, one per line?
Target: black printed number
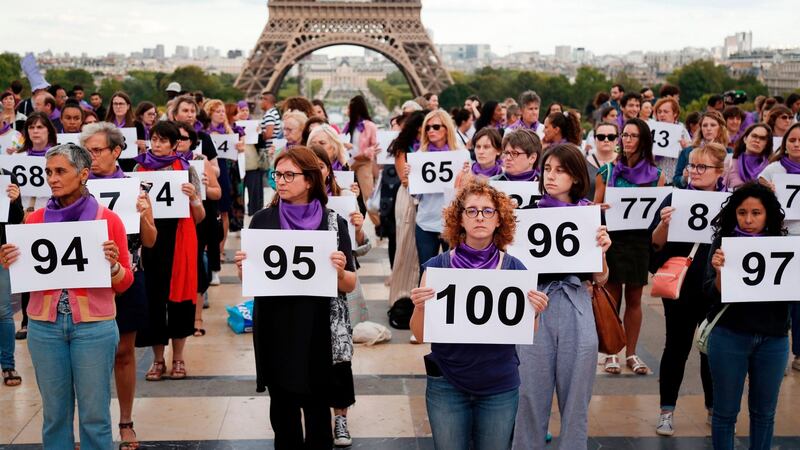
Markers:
<point>539,236</point>
<point>449,294</point>
<point>445,172</point>
<point>664,135</point>
<point>165,195</point>
<point>698,220</point>
<point>275,258</point>
<point>795,189</point>
<point>755,265</point>
<point>223,147</point>
<point>35,179</point>
<point>518,198</point>
<point>73,256</point>
<point>650,201</point>
<point>114,196</point>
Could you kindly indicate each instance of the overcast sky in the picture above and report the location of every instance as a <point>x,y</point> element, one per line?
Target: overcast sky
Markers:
<point>611,26</point>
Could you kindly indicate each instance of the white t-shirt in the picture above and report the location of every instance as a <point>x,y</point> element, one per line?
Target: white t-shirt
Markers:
<point>769,172</point>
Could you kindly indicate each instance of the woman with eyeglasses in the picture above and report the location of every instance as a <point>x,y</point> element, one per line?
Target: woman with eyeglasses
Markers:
<point>472,391</point>
<point>684,314</point>
<point>712,129</point>
<point>751,154</point>
<point>780,119</point>
<point>292,334</point>
<point>629,257</point>
<point>121,113</point>
<point>521,152</point>
<point>668,110</point>
<point>144,118</point>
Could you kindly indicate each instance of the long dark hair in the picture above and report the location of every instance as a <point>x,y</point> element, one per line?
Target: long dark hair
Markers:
<point>487,113</point>
<point>357,110</point>
<point>569,125</point>
<point>780,152</point>
<point>329,180</point>
<point>725,222</point>
<point>740,147</point>
<point>645,146</point>
<point>574,163</point>
<point>409,133</point>
<point>44,120</point>
<point>305,159</point>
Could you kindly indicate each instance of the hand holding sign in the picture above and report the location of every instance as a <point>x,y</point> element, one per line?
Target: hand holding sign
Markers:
<point>167,194</point>
<point>433,172</point>
<point>27,172</point>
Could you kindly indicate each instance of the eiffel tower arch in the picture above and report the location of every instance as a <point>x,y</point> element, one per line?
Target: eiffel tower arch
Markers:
<point>297,28</point>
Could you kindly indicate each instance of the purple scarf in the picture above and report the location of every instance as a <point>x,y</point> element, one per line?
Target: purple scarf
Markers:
<point>359,127</point>
<point>530,175</point>
<point>496,169</point>
<point>154,162</point>
<point>300,217</point>
<point>444,148</point>
<point>642,173</point>
<point>55,115</point>
<point>466,257</point>
<point>118,124</point>
<point>337,165</point>
<point>146,132</point>
<point>118,173</point>
<point>790,166</point>
<point>85,208</point>
<point>415,145</point>
<point>5,128</point>
<point>738,232</point>
<point>750,166</point>
<point>198,127</point>
<point>551,202</point>
<point>42,152</point>
<point>238,130</point>
<point>220,128</point>
<point>520,124</point>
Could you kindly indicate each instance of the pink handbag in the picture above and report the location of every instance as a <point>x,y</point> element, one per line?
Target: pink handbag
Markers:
<point>668,280</point>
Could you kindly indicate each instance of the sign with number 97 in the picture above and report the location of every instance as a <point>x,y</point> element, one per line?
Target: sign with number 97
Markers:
<point>694,210</point>
<point>761,269</point>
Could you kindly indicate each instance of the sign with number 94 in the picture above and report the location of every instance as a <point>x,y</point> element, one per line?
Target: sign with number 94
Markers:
<point>691,220</point>
<point>761,269</point>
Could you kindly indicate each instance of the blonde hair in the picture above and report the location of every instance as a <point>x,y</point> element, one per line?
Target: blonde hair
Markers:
<point>448,125</point>
<point>716,152</point>
<point>213,104</point>
<point>333,137</point>
<point>298,116</point>
<point>722,136</point>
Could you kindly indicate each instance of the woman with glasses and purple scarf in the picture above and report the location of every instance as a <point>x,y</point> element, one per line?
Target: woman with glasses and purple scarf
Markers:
<point>751,154</point>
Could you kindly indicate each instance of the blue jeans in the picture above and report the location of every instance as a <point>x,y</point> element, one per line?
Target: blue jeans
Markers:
<point>794,311</point>
<point>74,361</point>
<point>428,244</point>
<point>6,322</point>
<point>732,356</point>
<point>457,417</point>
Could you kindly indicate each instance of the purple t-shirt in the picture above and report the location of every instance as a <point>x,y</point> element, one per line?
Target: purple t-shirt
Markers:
<point>477,369</point>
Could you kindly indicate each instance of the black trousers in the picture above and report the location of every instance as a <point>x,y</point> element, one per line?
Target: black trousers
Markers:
<point>254,182</point>
<point>284,415</point>
<point>682,318</point>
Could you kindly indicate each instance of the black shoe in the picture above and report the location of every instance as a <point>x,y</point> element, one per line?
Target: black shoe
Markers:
<point>22,334</point>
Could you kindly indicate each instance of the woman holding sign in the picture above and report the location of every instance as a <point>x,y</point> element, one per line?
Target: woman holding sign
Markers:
<point>171,263</point>
<point>292,334</point>
<point>712,129</point>
<point>751,154</point>
<point>563,357</point>
<point>521,152</point>
<point>7,341</point>
<point>472,390</point>
<point>629,256</point>
<point>73,336</point>
<point>750,339</point>
<point>121,112</point>
<point>683,314</point>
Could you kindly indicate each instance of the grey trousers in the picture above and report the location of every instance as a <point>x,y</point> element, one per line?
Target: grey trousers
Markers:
<point>563,360</point>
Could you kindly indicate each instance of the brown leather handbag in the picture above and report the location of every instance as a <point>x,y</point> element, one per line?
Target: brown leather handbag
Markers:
<point>610,334</point>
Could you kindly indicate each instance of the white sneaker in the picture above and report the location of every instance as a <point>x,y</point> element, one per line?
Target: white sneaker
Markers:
<point>341,437</point>
<point>413,339</point>
<point>664,427</point>
<point>214,279</point>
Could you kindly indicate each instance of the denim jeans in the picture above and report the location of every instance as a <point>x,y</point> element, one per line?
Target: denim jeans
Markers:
<point>428,244</point>
<point>457,417</point>
<point>732,356</point>
<point>794,311</point>
<point>6,322</point>
<point>74,361</point>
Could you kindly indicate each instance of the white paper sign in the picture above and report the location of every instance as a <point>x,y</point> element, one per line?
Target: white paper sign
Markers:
<point>761,269</point>
<point>288,262</point>
<point>344,178</point>
<point>691,220</point>
<point>666,138</point>
<point>279,145</point>
<point>200,167</point>
<point>5,202</point>
<point>240,163</point>
<point>226,145</point>
<point>119,195</point>
<point>633,208</point>
<point>787,187</point>
<point>385,139</point>
<point>524,193</point>
<point>129,138</point>
<point>250,130</point>
<point>68,138</point>
<point>558,240</point>
<point>28,174</point>
<point>776,143</point>
<point>60,255</point>
<point>474,306</point>
<point>344,206</point>
<point>5,142</point>
<point>168,201</point>
<point>432,172</point>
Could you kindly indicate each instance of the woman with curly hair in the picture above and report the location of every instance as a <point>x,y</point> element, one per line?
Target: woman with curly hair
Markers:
<point>473,389</point>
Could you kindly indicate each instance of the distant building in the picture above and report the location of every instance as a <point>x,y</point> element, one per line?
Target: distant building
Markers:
<point>784,74</point>
<point>147,53</point>
<point>741,42</point>
<point>563,53</point>
<point>159,53</point>
<point>452,54</point>
<point>182,52</point>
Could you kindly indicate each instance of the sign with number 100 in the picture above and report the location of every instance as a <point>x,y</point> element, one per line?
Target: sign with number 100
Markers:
<point>761,269</point>
<point>474,306</point>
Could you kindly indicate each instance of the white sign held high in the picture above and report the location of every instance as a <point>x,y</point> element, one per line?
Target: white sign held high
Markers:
<point>666,138</point>
<point>633,208</point>
<point>385,139</point>
<point>166,196</point>
<point>131,148</point>
<point>432,172</point>
<point>250,130</point>
<point>225,144</point>
<point>27,172</point>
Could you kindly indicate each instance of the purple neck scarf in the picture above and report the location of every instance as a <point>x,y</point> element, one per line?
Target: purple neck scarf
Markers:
<point>444,148</point>
<point>642,173</point>
<point>5,128</point>
<point>741,233</point>
<point>530,175</point>
<point>238,130</point>
<point>119,124</point>
<point>198,127</point>
<point>466,257</point>
<point>719,187</point>
<point>55,115</point>
<point>337,165</point>
<point>154,162</point>
<point>118,173</point>
<point>42,152</point>
<point>300,217</point>
<point>551,202</point>
<point>496,169</point>
<point>359,127</point>
<point>520,124</point>
<point>85,208</point>
<point>219,128</point>
<point>750,166</point>
<point>789,165</point>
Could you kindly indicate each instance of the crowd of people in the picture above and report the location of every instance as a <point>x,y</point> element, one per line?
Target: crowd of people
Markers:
<point>483,396</point>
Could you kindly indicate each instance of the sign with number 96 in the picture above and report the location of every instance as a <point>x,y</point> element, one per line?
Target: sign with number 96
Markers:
<point>761,269</point>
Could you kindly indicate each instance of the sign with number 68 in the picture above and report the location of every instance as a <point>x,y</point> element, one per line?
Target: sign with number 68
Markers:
<point>761,269</point>
<point>27,172</point>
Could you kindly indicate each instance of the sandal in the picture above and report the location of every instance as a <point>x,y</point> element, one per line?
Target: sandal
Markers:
<point>638,367</point>
<point>612,365</point>
<point>11,378</point>
<point>178,370</point>
<point>22,334</point>
<point>157,371</point>
<point>128,445</point>
<point>199,332</point>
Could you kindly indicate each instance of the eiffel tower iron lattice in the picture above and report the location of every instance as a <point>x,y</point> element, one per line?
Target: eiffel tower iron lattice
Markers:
<point>297,28</point>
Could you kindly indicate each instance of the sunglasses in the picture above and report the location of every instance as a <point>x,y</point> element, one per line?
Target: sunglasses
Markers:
<point>603,137</point>
<point>434,127</point>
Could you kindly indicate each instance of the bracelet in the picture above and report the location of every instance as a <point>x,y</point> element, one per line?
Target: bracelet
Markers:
<point>197,202</point>
<point>115,269</point>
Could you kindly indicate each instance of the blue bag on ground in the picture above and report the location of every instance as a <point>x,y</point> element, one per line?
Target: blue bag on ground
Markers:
<point>240,317</point>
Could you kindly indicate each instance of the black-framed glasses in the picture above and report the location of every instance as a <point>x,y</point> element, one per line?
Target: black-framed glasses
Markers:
<point>701,168</point>
<point>603,137</point>
<point>758,137</point>
<point>96,152</point>
<point>473,212</point>
<point>184,138</point>
<point>287,176</point>
<point>784,117</point>
<point>630,136</point>
<point>434,127</point>
<point>511,154</point>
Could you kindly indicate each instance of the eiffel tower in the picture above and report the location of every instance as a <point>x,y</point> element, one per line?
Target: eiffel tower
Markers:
<point>297,28</point>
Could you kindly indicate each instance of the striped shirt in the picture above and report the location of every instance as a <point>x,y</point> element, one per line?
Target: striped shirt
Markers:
<point>272,117</point>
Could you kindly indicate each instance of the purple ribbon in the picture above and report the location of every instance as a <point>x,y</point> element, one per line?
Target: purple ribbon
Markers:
<point>118,173</point>
<point>642,173</point>
<point>750,166</point>
<point>5,128</point>
<point>219,128</point>
<point>496,169</point>
<point>359,127</point>
<point>444,148</point>
<point>530,175</point>
<point>42,152</point>
<point>741,233</point>
<point>790,166</point>
<point>118,124</point>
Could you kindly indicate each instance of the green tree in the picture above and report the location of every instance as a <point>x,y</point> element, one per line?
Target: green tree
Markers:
<point>628,82</point>
<point>698,78</point>
<point>9,69</point>
<point>588,82</point>
<point>70,77</point>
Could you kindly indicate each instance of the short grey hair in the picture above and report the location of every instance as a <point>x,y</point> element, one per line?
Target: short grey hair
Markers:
<point>78,157</point>
<point>114,137</point>
<point>529,97</point>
